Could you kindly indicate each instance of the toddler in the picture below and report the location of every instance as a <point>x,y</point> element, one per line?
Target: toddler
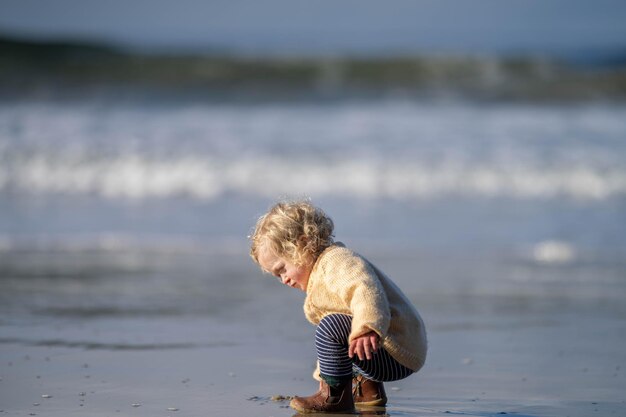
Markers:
<point>367,330</point>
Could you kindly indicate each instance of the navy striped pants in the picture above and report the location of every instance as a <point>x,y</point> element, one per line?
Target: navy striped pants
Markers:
<point>331,342</point>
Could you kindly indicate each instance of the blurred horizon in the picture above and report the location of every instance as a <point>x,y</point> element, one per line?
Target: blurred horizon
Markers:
<point>364,28</point>
<point>58,69</point>
<point>484,50</point>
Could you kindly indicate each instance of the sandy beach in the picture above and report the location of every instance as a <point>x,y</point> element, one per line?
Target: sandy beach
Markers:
<point>491,352</point>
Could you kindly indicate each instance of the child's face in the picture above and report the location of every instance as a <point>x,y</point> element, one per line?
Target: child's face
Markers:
<point>288,273</point>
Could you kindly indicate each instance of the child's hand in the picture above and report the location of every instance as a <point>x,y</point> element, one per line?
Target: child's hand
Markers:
<point>364,346</point>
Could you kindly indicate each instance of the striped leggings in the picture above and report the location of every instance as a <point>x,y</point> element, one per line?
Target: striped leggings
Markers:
<point>331,342</point>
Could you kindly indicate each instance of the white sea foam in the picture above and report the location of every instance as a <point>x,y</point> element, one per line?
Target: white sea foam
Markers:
<point>368,150</point>
<point>204,178</point>
<point>554,252</point>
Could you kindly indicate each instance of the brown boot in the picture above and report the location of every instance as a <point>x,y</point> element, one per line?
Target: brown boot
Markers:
<point>367,392</point>
<point>326,400</point>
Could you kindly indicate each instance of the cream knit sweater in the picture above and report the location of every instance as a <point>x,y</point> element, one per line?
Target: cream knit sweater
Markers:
<point>342,281</point>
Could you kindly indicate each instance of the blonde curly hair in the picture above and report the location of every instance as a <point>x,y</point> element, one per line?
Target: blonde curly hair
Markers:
<point>295,230</point>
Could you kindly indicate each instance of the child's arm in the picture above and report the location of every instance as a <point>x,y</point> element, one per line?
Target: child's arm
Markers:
<point>355,281</point>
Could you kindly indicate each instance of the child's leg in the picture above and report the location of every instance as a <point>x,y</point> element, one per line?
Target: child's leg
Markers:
<point>335,393</point>
<point>382,367</point>
<point>336,370</point>
<point>331,341</point>
<point>336,367</point>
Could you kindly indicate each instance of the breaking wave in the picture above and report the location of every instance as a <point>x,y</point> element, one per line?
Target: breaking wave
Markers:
<point>397,149</point>
<point>205,178</point>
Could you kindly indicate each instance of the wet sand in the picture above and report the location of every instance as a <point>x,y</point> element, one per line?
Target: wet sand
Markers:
<point>489,354</point>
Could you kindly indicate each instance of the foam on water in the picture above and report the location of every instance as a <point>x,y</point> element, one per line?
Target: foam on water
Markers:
<point>352,149</point>
<point>208,177</point>
<point>554,252</point>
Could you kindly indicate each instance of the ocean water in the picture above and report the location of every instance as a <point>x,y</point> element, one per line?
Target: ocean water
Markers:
<point>398,154</point>
<point>544,184</point>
